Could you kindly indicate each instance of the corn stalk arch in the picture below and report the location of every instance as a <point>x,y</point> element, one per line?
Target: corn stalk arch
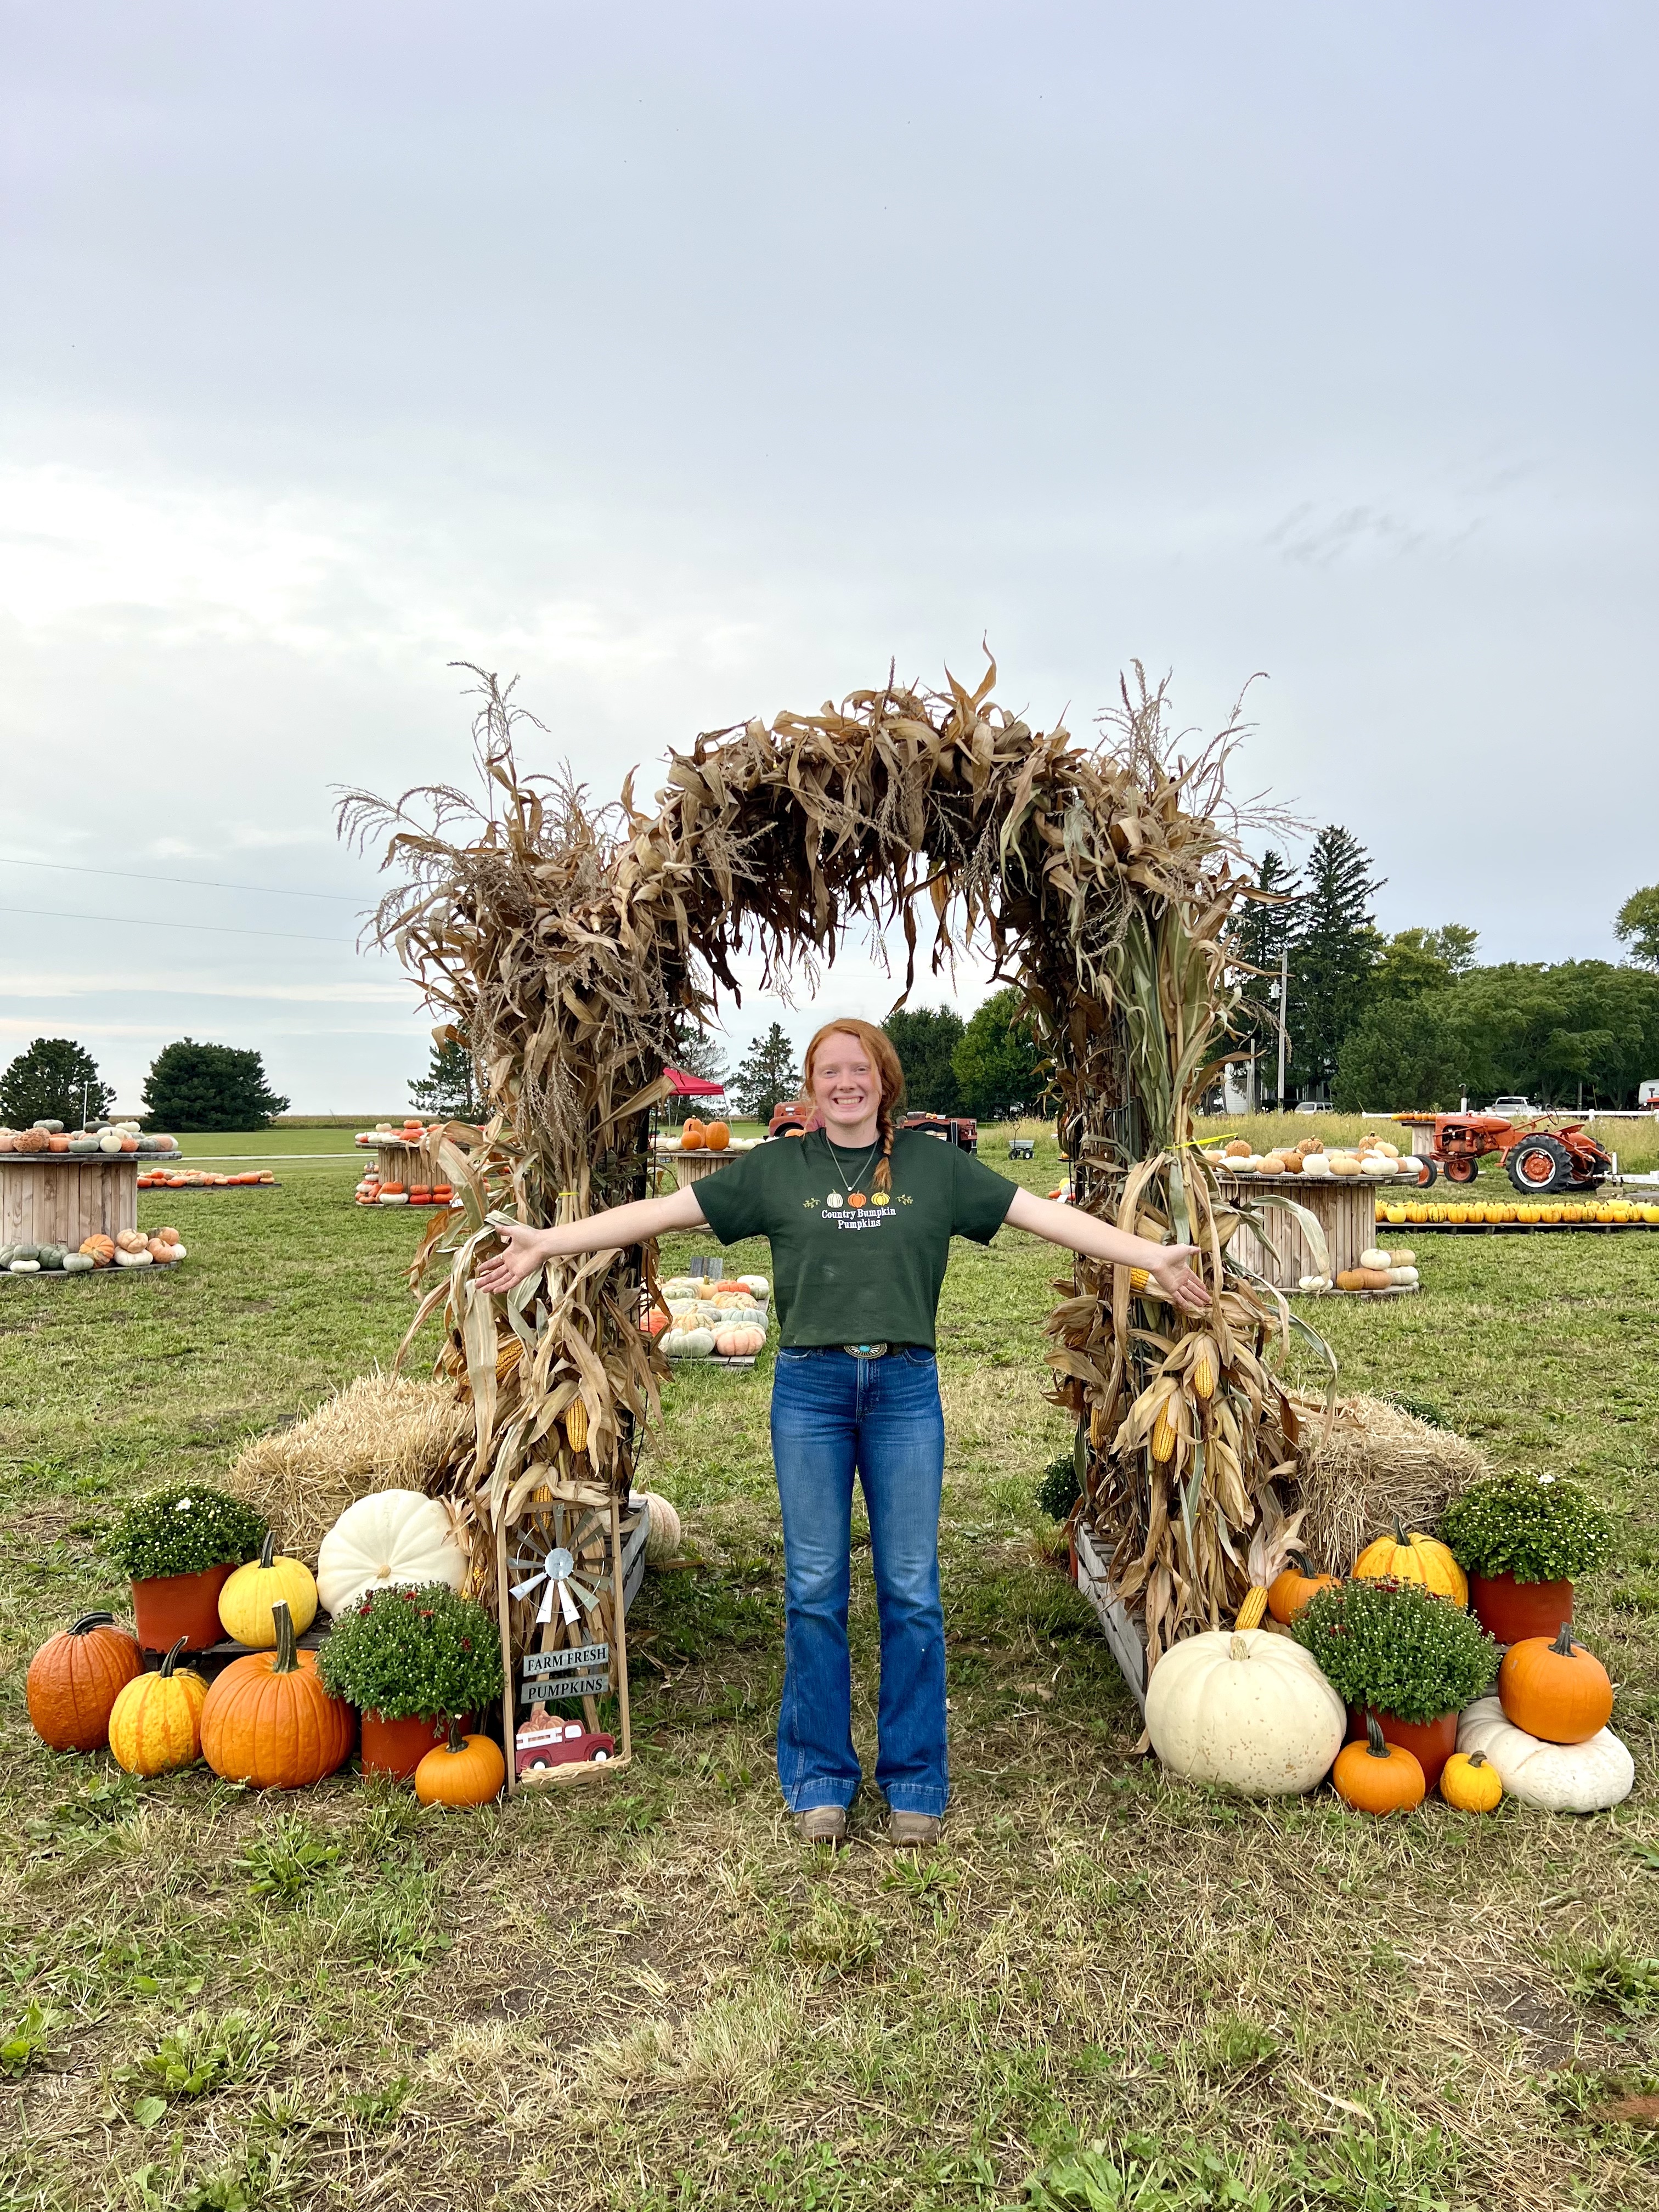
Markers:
<point>571,944</point>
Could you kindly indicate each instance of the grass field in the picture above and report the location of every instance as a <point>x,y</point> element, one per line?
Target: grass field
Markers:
<point>645,1996</point>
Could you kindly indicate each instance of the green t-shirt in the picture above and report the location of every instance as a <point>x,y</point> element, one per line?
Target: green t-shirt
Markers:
<point>868,1272</point>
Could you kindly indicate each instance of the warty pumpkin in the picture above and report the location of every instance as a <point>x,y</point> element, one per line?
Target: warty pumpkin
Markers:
<point>1377,1777</point>
<point>466,1771</point>
<point>75,1678</point>
<point>268,1720</point>
<point>1555,1689</point>
<point>156,1722</point>
<point>1415,1558</point>
<point>247,1601</point>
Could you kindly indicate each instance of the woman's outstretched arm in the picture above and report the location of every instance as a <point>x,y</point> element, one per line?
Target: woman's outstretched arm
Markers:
<point>1170,1266</point>
<point>527,1249</point>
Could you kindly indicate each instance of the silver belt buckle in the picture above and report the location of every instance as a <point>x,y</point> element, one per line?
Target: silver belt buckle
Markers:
<point>866,1351</point>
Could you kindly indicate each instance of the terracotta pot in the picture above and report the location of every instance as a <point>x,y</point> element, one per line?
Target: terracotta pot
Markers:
<point>397,1748</point>
<point>1433,1742</point>
<point>167,1606</point>
<point>1510,1610</point>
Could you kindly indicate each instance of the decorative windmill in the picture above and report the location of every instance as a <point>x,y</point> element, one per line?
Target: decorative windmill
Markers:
<point>558,1573</point>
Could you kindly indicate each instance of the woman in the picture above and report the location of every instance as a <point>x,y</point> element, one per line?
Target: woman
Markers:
<point>861,1215</point>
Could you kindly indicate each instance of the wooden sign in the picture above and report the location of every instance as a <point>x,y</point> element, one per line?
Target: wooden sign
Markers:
<point>559,1585</point>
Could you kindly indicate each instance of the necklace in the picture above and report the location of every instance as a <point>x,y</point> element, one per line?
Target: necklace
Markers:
<point>854,1196</point>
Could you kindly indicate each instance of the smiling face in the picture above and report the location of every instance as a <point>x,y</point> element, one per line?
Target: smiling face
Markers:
<point>846,1089</point>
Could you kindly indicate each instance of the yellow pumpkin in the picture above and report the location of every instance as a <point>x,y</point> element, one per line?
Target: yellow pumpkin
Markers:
<point>1469,1781</point>
<point>1415,1558</point>
<point>245,1601</point>
<point>156,1724</point>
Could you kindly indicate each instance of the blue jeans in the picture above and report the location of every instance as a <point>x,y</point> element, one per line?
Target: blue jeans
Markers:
<point>833,1415</point>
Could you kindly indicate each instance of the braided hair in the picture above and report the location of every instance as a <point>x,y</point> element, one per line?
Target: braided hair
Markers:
<point>886,1060</point>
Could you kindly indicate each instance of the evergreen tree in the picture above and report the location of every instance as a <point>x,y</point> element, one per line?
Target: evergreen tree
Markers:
<point>450,1086</point>
<point>766,1075</point>
<point>55,1080</point>
<point>996,1061</point>
<point>1638,925</point>
<point>695,1052</point>
<point>1256,939</point>
<point>209,1086</point>
<point>1334,951</point>
<point>925,1038</point>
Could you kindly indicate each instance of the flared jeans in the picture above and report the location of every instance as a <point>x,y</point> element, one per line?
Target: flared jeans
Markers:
<point>835,1417</point>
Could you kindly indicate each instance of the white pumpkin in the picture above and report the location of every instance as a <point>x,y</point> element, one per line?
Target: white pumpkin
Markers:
<point>1246,1708</point>
<point>145,1258</point>
<point>662,1534</point>
<point>1403,1278</point>
<point>761,1289</point>
<point>681,1343</point>
<point>1376,1165</point>
<point>1317,1165</point>
<point>1375,1257</point>
<point>390,1536</point>
<point>1554,1777</point>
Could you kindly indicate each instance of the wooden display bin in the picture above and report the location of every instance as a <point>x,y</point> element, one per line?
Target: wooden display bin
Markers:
<point>1344,1206</point>
<point>59,1197</point>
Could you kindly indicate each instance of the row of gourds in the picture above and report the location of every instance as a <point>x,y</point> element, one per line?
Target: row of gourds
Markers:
<point>371,1191</point>
<point>128,1247</point>
<point>109,1137</point>
<point>700,1320</point>
<point>1251,1707</point>
<point>412,1132</point>
<point>1374,1158</point>
<point>1625,1212</point>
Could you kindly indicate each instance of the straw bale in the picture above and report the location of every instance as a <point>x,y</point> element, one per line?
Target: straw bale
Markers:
<point>1375,1465</point>
<point>379,1432</point>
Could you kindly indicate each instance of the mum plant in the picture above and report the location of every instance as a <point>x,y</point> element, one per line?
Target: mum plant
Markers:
<point>1396,1648</point>
<point>1534,1528</point>
<point>184,1531</point>
<point>414,1650</point>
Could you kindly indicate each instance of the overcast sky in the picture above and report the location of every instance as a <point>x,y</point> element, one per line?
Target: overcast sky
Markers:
<point>693,362</point>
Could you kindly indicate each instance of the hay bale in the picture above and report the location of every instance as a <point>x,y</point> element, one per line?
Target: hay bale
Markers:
<point>1377,1465</point>
<point>379,1432</point>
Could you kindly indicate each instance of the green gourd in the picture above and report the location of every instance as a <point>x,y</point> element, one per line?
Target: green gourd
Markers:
<point>78,1263</point>
<point>51,1256</point>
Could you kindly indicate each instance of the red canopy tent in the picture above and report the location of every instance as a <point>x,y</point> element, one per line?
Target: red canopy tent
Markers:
<point>692,1086</point>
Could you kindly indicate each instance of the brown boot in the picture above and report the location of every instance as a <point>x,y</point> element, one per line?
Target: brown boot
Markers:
<point>912,1832</point>
<point>823,1824</point>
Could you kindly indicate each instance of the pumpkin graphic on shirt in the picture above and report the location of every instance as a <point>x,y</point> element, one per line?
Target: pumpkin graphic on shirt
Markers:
<point>834,1198</point>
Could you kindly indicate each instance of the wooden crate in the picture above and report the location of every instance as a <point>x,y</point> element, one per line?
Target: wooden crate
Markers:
<point>1344,1206</point>
<point>57,1198</point>
<point>1125,1638</point>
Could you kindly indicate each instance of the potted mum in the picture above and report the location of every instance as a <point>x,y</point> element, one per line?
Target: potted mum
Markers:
<point>179,1547</point>
<point>1523,1541</point>
<point>1398,1654</point>
<point>411,1657</point>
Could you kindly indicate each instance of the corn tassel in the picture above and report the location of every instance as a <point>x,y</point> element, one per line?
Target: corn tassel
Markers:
<point>1254,1609</point>
<point>576,1424</point>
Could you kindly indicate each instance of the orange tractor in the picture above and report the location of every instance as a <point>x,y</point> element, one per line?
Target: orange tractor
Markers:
<point>1537,1160</point>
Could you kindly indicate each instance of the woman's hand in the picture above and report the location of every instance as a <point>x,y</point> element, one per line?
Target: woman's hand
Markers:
<point>1176,1273</point>
<point>524,1249</point>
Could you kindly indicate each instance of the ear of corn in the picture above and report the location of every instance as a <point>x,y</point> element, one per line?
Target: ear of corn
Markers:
<point>1252,1613</point>
<point>1206,1369</point>
<point>1165,1435</point>
<point>1138,1278</point>
<point>576,1424</point>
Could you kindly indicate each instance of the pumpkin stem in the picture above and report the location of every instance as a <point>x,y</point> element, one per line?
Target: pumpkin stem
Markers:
<point>1477,1759</point>
<point>1374,1742</point>
<point>1563,1645</point>
<point>1399,1535</point>
<point>455,1741</point>
<point>171,1659</point>
<point>287,1661</point>
<point>267,1551</point>
<point>88,1621</point>
<point>1239,1649</point>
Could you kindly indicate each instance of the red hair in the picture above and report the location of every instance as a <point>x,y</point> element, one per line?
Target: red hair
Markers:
<point>885,1061</point>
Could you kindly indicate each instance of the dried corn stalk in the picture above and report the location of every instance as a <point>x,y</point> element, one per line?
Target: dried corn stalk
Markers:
<point>571,945</point>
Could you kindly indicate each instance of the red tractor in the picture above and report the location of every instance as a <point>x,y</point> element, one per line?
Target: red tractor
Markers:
<point>1537,1161</point>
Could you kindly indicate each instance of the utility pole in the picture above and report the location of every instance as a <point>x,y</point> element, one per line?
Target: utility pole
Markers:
<point>1284,993</point>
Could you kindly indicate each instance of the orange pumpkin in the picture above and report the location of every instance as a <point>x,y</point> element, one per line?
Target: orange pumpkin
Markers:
<point>1290,1591</point>
<point>717,1136</point>
<point>269,1720</point>
<point>692,1135</point>
<point>1375,1776</point>
<point>466,1771</point>
<point>1555,1690</point>
<point>76,1677</point>
<point>739,1343</point>
<point>654,1321</point>
<point>101,1250</point>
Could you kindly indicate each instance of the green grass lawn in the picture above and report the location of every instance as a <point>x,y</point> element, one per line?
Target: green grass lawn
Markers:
<point>644,1995</point>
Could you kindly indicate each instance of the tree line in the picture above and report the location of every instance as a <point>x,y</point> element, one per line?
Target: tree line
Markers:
<point>1416,1019</point>
<point>190,1086</point>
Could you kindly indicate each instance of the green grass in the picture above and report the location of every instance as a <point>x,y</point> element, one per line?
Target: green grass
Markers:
<point>1131,1993</point>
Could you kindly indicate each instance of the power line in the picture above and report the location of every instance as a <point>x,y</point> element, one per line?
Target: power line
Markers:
<point>196,882</point>
<point>207,928</point>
